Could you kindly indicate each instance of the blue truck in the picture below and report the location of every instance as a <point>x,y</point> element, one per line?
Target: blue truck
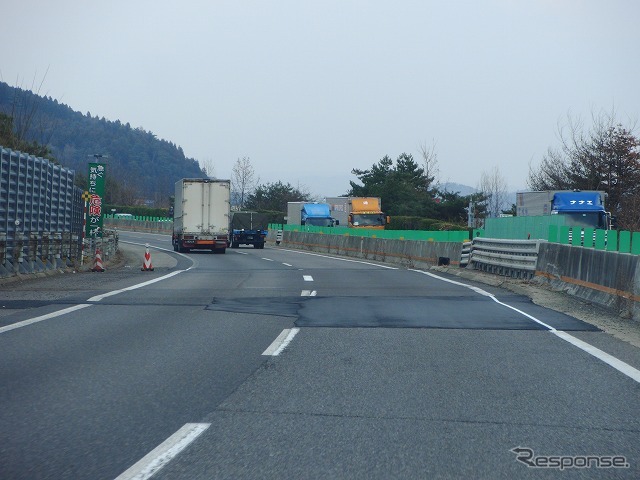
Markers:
<point>248,228</point>
<point>580,208</point>
<point>307,213</point>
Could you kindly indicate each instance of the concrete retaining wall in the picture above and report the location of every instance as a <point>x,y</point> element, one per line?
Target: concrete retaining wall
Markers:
<point>165,228</point>
<point>610,279</point>
<point>407,253</point>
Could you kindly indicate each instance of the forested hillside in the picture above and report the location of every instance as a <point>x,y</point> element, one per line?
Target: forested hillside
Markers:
<point>143,166</point>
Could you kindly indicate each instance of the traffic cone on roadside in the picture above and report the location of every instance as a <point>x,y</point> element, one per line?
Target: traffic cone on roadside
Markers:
<point>97,263</point>
<point>146,265</point>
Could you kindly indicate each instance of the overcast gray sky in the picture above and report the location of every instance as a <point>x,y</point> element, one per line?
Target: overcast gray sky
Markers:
<point>309,90</point>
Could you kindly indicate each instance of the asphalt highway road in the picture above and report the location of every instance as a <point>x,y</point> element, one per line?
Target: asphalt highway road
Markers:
<point>277,363</point>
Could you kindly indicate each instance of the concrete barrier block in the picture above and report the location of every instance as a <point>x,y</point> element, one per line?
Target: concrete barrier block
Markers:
<point>605,278</point>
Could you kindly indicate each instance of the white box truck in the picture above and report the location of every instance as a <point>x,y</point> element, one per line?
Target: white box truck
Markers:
<point>201,215</point>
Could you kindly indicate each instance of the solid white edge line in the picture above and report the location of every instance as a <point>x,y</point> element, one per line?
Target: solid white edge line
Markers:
<point>97,298</point>
<point>276,343</point>
<point>619,365</point>
<point>41,318</point>
<point>339,259</point>
<point>601,355</point>
<point>281,342</point>
<point>165,452</point>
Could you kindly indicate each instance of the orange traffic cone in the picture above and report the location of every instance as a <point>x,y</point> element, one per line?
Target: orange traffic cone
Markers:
<point>97,263</point>
<point>146,266</point>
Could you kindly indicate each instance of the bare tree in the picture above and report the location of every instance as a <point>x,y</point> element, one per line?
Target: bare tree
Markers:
<point>494,186</point>
<point>29,129</point>
<point>607,157</point>
<point>208,167</point>
<point>430,163</point>
<point>243,181</point>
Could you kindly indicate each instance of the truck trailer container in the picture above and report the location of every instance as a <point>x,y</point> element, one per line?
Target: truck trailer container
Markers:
<point>248,228</point>
<point>358,212</point>
<point>201,215</point>
<point>293,213</point>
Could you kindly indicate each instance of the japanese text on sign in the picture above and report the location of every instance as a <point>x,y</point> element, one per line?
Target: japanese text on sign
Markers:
<point>96,194</point>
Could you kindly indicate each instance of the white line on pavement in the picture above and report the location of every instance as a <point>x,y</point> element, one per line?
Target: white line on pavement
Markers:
<point>97,298</point>
<point>165,452</point>
<point>48,316</point>
<point>619,365</point>
<point>340,259</point>
<point>308,293</point>
<point>307,278</point>
<point>280,343</point>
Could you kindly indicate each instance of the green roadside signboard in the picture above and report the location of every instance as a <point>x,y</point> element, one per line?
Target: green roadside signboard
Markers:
<point>95,196</point>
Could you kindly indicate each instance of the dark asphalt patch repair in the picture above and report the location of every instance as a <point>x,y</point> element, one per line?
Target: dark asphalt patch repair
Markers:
<point>398,312</point>
<point>23,304</point>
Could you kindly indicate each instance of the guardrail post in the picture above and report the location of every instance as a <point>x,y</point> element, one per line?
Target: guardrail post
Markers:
<point>3,248</point>
<point>77,248</point>
<point>57,249</point>
<point>18,253</point>
<point>65,247</point>
<point>45,250</point>
<point>4,272</point>
<point>32,251</point>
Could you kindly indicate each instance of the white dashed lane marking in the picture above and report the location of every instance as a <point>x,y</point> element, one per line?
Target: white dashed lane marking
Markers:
<point>280,343</point>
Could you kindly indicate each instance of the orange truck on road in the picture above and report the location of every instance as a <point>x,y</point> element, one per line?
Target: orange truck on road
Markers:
<point>358,212</point>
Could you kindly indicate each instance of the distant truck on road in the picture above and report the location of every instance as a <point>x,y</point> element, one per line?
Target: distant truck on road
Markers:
<point>201,215</point>
<point>580,208</point>
<point>248,228</point>
<point>358,212</point>
<point>307,213</point>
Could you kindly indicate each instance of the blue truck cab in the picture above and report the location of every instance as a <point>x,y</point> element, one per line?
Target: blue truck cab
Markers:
<point>317,215</point>
<point>581,209</point>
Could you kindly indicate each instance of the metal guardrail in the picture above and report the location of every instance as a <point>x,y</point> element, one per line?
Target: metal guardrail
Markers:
<point>466,254</point>
<point>512,258</point>
<point>35,252</point>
